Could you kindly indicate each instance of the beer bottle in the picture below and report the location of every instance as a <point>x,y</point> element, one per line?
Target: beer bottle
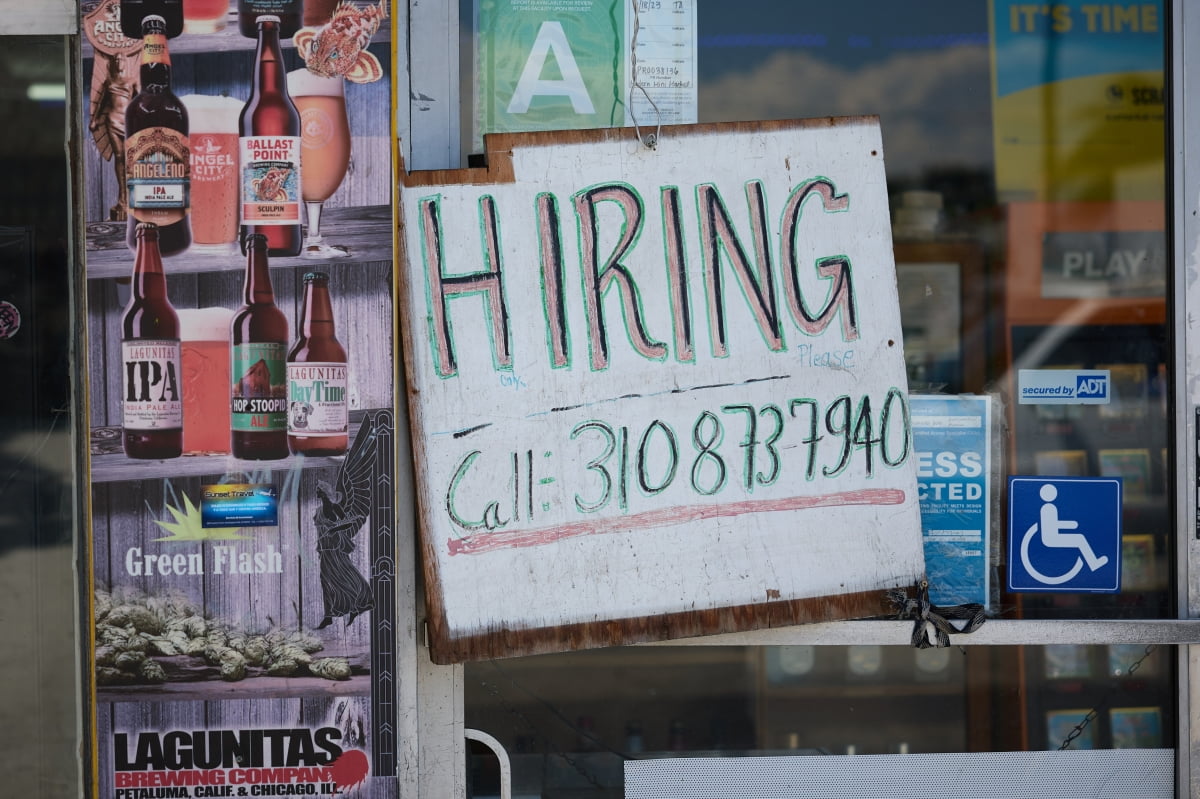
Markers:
<point>134,11</point>
<point>288,11</point>
<point>258,334</point>
<point>269,150</point>
<point>152,405</point>
<point>318,421</point>
<point>157,156</point>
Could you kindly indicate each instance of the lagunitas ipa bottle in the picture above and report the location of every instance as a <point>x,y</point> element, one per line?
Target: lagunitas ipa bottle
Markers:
<point>269,150</point>
<point>151,398</point>
<point>289,12</point>
<point>157,155</point>
<point>318,421</point>
<point>258,335</point>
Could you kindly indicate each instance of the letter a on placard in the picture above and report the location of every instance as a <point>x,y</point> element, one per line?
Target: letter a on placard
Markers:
<point>551,36</point>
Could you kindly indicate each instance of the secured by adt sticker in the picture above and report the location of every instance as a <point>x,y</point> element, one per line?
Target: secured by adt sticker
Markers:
<point>1064,386</point>
<point>1064,534</point>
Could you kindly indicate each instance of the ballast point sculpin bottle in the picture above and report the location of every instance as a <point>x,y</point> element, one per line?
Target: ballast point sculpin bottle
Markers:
<point>269,151</point>
<point>289,12</point>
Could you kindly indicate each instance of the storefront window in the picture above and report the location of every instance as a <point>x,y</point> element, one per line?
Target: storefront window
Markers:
<point>40,665</point>
<point>571,721</point>
<point>1025,161</point>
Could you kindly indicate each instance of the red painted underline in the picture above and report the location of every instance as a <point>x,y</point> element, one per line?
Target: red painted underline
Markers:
<point>488,542</point>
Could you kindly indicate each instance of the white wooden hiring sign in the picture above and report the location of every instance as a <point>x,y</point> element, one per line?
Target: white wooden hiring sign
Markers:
<point>656,393</point>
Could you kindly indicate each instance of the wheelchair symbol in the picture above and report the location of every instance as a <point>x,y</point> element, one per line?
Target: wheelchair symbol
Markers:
<point>1053,537</point>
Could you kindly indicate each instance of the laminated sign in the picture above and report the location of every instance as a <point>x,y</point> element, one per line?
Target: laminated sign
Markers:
<point>657,392</point>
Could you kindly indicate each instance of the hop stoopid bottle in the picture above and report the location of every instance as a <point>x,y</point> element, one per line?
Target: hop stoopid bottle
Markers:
<point>269,150</point>
<point>152,405</point>
<point>258,334</point>
<point>157,156</point>
<point>318,423</point>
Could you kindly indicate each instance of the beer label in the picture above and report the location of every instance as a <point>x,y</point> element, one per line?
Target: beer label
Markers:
<point>150,387</point>
<point>317,399</point>
<point>211,161</point>
<point>276,7</point>
<point>158,170</point>
<point>102,26</point>
<point>270,168</point>
<point>154,49</point>
<point>259,396</point>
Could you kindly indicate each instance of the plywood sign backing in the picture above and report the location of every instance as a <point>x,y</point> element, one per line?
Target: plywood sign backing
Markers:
<point>656,392</point>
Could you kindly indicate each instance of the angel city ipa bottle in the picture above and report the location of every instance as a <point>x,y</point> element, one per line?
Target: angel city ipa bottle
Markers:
<point>288,11</point>
<point>269,150</point>
<point>152,405</point>
<point>258,335</point>
<point>318,423</point>
<point>158,159</point>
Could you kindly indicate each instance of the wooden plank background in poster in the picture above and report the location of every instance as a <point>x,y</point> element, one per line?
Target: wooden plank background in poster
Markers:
<point>129,496</point>
<point>885,545</point>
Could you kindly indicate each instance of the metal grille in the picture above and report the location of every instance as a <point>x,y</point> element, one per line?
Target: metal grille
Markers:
<point>1094,774</point>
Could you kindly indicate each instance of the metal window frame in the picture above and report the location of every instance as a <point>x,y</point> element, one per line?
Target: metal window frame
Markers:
<point>437,147</point>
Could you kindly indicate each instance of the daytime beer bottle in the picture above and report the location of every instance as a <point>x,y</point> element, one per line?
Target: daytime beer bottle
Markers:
<point>269,150</point>
<point>318,422</point>
<point>152,405</point>
<point>158,158</point>
<point>258,336</point>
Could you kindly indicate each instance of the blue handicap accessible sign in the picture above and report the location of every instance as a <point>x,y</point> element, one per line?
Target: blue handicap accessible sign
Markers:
<point>1064,534</point>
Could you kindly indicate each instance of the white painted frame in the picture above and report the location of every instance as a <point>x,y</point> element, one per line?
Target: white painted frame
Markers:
<point>1184,165</point>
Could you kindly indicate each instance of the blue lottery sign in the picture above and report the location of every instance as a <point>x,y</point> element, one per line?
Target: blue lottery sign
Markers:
<point>1064,534</point>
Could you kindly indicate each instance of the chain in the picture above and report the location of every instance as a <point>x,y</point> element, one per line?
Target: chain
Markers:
<point>1094,712</point>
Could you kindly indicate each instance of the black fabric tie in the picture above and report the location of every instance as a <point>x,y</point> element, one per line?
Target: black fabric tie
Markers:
<point>925,614</point>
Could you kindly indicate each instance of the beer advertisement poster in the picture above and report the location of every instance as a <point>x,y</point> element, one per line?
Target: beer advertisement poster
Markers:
<point>242,547</point>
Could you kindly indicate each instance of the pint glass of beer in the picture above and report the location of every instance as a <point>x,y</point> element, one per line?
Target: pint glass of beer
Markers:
<point>204,360</point>
<point>324,150</point>
<point>214,148</point>
<point>204,16</point>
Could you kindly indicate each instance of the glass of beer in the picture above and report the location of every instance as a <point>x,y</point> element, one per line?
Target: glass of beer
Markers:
<point>213,136</point>
<point>324,151</point>
<point>204,360</point>
<point>204,16</point>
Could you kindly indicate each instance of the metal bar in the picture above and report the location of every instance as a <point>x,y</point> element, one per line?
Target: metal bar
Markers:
<point>996,632</point>
<point>1184,77</point>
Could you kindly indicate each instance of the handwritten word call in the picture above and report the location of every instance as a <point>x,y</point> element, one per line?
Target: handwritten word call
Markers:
<point>751,445</point>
